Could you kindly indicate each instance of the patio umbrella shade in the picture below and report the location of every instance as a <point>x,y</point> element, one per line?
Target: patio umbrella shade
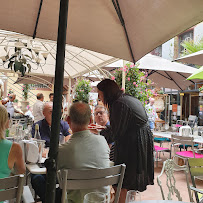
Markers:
<point>78,61</point>
<point>165,73</point>
<point>98,26</point>
<point>162,72</point>
<point>197,74</point>
<point>194,58</point>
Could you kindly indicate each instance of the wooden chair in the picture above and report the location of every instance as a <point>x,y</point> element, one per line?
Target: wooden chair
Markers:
<point>169,167</point>
<point>196,170</point>
<point>182,140</point>
<point>11,187</point>
<point>91,179</point>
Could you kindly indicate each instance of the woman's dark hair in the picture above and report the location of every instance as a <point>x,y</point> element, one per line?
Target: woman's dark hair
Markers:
<point>110,90</point>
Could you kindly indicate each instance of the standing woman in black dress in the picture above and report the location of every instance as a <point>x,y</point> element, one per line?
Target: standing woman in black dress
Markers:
<point>132,136</point>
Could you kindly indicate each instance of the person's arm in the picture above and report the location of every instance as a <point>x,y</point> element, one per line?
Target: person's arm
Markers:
<point>19,164</point>
<point>108,134</point>
<point>17,111</point>
<point>65,129</point>
<point>67,138</point>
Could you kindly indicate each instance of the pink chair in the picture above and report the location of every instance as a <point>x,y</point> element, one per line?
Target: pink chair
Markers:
<point>157,150</point>
<point>182,140</point>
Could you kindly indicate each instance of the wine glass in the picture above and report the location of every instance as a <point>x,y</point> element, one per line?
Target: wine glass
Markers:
<point>133,196</point>
<point>95,197</point>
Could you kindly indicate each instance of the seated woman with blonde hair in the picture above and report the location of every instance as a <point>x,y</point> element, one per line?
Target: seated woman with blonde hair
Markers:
<point>11,155</point>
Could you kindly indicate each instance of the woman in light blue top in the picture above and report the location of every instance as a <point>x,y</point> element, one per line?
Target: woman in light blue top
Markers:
<point>11,155</point>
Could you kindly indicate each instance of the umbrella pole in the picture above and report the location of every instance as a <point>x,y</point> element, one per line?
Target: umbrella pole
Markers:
<point>123,76</point>
<point>51,162</point>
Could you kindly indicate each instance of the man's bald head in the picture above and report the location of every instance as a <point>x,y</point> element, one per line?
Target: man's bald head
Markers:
<point>47,111</point>
<point>12,97</point>
<point>40,96</point>
<point>80,113</point>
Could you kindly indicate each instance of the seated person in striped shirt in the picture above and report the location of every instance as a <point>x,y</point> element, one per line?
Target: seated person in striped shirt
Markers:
<point>101,117</point>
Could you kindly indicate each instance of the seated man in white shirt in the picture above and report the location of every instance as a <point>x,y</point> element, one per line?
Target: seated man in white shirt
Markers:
<point>84,150</point>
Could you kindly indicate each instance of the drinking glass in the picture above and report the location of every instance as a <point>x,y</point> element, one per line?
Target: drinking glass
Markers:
<point>41,145</point>
<point>133,196</point>
<point>166,126</point>
<point>95,197</point>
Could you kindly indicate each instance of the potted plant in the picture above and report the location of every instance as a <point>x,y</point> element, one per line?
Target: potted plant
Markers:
<point>82,90</point>
<point>25,95</point>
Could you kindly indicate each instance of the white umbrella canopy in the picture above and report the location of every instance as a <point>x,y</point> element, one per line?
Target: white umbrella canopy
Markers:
<point>194,58</point>
<point>163,72</point>
<point>95,25</point>
<point>78,61</point>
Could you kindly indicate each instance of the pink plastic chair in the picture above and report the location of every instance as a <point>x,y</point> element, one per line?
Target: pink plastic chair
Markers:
<point>157,150</point>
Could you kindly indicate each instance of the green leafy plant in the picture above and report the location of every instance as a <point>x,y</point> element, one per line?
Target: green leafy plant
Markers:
<point>82,90</point>
<point>136,83</point>
<point>160,92</point>
<point>191,47</point>
<point>25,90</point>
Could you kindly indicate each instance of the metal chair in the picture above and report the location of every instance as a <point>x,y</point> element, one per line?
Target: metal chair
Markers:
<point>11,187</point>
<point>192,120</point>
<point>169,167</point>
<point>182,140</point>
<point>196,170</point>
<point>91,179</point>
<point>181,122</point>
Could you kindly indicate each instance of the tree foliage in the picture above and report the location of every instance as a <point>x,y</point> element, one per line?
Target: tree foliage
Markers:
<point>82,90</point>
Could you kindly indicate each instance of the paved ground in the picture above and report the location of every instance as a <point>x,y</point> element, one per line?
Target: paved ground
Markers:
<point>153,191</point>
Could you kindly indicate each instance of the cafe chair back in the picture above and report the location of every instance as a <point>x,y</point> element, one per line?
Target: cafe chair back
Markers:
<point>169,167</point>
<point>196,170</point>
<point>192,119</point>
<point>11,188</point>
<point>91,179</point>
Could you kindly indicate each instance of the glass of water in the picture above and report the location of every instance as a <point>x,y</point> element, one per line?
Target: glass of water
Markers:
<point>133,196</point>
<point>95,197</point>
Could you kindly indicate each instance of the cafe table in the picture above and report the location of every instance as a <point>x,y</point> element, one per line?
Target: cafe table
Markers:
<point>167,134</point>
<point>37,168</point>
